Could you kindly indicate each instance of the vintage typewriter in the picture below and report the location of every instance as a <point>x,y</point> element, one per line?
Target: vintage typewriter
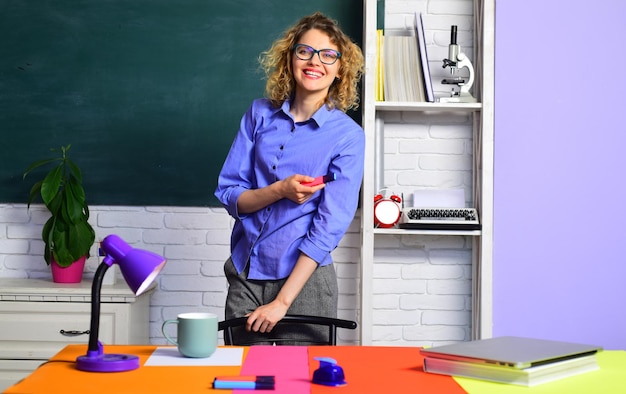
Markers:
<point>439,219</point>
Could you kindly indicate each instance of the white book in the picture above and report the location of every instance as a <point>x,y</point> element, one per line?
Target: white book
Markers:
<point>530,376</point>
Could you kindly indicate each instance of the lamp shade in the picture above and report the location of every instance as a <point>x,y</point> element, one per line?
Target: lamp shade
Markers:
<point>139,267</point>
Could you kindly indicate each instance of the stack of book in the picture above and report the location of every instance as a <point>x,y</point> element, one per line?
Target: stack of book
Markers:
<point>403,69</point>
<point>512,360</point>
<point>402,73</point>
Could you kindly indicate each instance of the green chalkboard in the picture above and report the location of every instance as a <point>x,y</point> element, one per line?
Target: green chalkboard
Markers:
<point>148,92</point>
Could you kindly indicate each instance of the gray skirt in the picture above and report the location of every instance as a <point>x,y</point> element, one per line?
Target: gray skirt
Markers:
<point>318,297</point>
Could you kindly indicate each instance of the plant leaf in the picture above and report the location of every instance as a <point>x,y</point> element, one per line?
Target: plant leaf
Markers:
<point>51,184</point>
<point>75,170</point>
<point>74,200</point>
<point>38,164</point>
<point>86,209</point>
<point>60,249</point>
<point>35,192</point>
<point>81,237</point>
<point>46,236</point>
<point>73,241</point>
<point>55,205</point>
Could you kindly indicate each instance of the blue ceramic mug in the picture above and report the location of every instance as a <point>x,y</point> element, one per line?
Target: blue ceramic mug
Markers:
<point>197,334</point>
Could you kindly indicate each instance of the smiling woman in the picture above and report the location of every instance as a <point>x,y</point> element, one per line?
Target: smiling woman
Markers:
<point>313,76</point>
<point>285,229</point>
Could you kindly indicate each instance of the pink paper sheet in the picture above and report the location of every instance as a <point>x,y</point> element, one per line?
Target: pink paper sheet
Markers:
<point>290,365</point>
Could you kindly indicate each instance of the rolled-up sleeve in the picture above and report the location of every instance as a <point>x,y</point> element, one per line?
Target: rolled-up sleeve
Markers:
<point>237,172</point>
<point>339,199</point>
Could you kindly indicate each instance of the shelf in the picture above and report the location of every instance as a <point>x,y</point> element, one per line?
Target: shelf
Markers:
<point>379,114</point>
<point>427,107</point>
<point>399,231</point>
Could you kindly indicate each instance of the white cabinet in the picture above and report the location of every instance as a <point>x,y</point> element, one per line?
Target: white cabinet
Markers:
<point>479,118</point>
<point>38,318</point>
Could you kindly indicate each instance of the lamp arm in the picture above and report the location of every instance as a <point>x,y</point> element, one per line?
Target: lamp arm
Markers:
<point>95,307</point>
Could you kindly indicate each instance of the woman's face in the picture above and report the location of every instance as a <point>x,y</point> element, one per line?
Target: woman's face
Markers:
<point>313,77</point>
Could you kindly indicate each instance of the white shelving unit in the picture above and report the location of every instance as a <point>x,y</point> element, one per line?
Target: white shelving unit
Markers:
<point>482,119</point>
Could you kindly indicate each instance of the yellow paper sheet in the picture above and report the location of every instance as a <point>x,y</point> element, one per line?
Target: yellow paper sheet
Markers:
<point>610,378</point>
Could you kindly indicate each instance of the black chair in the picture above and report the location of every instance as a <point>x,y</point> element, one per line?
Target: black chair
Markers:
<point>332,324</point>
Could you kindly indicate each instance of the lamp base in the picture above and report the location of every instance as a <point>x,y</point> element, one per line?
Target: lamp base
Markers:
<point>107,362</point>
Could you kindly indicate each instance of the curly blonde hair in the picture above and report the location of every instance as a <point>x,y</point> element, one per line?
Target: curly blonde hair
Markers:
<point>276,62</point>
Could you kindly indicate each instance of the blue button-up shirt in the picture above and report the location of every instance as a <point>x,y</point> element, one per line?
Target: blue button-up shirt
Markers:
<point>269,147</point>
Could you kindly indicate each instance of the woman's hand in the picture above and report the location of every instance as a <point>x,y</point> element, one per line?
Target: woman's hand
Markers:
<point>265,317</point>
<point>291,188</point>
<point>294,190</point>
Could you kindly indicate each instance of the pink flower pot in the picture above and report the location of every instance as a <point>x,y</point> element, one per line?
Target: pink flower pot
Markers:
<point>71,274</point>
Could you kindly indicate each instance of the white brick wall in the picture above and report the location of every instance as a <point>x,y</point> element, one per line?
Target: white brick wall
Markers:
<point>195,242</point>
<point>422,284</point>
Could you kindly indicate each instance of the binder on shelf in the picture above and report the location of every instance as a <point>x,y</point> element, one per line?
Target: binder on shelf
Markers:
<point>421,41</point>
<point>380,80</point>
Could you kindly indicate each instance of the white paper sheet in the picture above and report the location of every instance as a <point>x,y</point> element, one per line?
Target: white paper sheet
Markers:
<point>439,198</point>
<point>170,356</point>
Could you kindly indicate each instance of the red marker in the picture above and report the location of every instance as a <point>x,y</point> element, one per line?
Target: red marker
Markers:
<point>321,179</point>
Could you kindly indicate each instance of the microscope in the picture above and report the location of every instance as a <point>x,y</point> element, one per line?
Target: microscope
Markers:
<point>456,61</point>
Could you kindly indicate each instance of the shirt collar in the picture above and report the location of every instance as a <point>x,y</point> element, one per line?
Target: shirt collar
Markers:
<point>320,116</point>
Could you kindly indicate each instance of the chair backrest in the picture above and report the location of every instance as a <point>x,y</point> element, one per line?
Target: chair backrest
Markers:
<point>332,324</point>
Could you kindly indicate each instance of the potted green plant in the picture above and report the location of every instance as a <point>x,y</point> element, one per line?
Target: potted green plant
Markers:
<point>67,235</point>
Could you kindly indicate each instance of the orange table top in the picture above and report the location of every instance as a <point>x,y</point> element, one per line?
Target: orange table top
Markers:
<point>368,369</point>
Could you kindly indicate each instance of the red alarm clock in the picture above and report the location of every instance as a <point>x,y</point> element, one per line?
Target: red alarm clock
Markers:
<point>386,210</point>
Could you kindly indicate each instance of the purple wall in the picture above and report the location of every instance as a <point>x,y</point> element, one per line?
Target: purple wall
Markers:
<point>560,155</point>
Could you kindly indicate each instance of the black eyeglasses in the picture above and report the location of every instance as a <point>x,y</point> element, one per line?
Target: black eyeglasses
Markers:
<point>305,52</point>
